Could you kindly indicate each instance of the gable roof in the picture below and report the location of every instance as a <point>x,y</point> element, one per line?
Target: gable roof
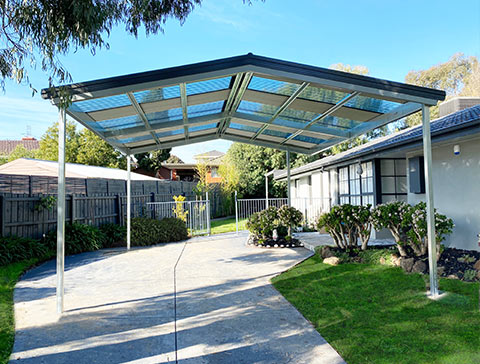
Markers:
<point>251,99</point>
<point>8,146</point>
<point>37,167</point>
<point>466,118</point>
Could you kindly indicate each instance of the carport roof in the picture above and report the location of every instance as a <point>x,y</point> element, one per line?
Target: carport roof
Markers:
<point>249,98</point>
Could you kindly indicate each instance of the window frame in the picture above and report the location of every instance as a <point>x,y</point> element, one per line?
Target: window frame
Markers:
<point>344,198</point>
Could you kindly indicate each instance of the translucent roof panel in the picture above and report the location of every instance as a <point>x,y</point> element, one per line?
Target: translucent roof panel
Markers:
<point>158,94</point>
<point>205,109</point>
<point>201,87</point>
<point>256,108</point>
<point>164,116</point>
<point>272,86</point>
<point>248,98</point>
<point>101,103</point>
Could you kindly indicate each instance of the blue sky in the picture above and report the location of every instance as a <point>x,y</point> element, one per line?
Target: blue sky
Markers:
<point>389,37</point>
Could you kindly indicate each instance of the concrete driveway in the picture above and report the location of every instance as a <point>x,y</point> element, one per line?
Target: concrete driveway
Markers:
<point>217,306</point>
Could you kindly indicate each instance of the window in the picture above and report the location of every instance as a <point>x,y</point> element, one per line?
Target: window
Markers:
<point>354,187</point>
<point>393,180</point>
<point>215,172</point>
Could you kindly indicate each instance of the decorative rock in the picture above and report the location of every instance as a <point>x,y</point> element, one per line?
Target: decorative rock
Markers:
<point>407,264</point>
<point>419,267</point>
<point>477,265</point>
<point>396,260</point>
<point>301,244</point>
<point>440,270</point>
<point>325,252</point>
<point>332,261</point>
<point>269,246</point>
<point>382,261</point>
<point>282,246</point>
<point>275,246</point>
<point>453,276</point>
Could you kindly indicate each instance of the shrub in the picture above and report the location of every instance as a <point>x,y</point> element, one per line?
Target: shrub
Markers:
<point>14,249</point>
<point>79,238</point>
<point>408,225</point>
<point>114,234</point>
<point>289,217</point>
<point>346,224</point>
<point>261,224</point>
<point>179,209</point>
<point>146,231</point>
<point>175,229</point>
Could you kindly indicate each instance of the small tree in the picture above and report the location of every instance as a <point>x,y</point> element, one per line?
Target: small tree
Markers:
<point>178,209</point>
<point>341,225</point>
<point>290,217</point>
<point>203,186</point>
<point>362,219</point>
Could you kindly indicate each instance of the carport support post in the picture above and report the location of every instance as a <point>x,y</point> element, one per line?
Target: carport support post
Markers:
<point>432,246</point>
<point>266,190</point>
<point>129,198</point>
<point>236,212</point>
<point>61,210</point>
<point>289,189</point>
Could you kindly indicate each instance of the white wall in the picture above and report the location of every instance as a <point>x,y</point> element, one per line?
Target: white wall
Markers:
<point>456,186</point>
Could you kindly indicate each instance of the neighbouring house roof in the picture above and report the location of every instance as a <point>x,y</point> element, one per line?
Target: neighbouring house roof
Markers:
<point>467,118</point>
<point>179,165</point>
<point>213,154</point>
<point>8,146</point>
<point>37,167</point>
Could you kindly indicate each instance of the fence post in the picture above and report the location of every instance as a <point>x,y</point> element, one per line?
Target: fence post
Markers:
<point>236,212</point>
<point>119,209</point>
<point>208,213</point>
<point>152,199</point>
<point>72,209</point>
<point>2,218</point>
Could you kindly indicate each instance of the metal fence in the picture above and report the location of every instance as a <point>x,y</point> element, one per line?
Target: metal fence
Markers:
<point>311,208</point>
<point>195,213</point>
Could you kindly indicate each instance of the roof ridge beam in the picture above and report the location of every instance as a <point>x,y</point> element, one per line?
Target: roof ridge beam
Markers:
<point>322,116</point>
<point>142,116</point>
<point>282,107</point>
<point>228,102</point>
<point>247,76</point>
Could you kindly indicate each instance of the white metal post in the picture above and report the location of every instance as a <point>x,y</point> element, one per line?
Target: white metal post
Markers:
<point>236,211</point>
<point>208,214</point>
<point>129,198</point>
<point>432,246</point>
<point>289,189</point>
<point>61,210</point>
<point>266,190</point>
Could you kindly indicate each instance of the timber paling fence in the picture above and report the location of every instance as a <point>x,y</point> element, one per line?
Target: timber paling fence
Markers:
<point>88,201</point>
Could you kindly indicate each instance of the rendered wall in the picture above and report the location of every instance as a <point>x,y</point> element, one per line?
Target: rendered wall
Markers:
<point>456,186</point>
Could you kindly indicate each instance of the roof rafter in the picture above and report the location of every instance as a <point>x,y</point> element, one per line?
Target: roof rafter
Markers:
<point>142,116</point>
<point>282,107</point>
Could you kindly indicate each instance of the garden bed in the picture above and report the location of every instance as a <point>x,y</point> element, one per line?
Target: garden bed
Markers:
<point>453,263</point>
<point>271,243</point>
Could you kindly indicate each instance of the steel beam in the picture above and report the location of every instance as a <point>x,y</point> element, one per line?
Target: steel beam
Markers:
<point>175,143</point>
<point>61,210</point>
<point>129,199</point>
<point>229,101</point>
<point>282,108</point>
<point>142,116</point>
<point>236,101</point>
<point>322,116</point>
<point>183,99</point>
<point>432,245</point>
<point>247,140</point>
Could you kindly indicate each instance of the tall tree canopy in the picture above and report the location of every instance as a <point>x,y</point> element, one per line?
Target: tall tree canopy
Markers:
<point>252,162</point>
<point>458,76</point>
<point>152,161</point>
<point>39,31</point>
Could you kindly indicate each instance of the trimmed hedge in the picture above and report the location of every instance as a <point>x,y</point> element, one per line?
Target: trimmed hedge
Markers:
<point>147,231</point>
<point>115,235</point>
<point>79,238</point>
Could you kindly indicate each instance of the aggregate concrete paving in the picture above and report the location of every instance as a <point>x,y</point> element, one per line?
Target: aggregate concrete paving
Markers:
<point>217,306</point>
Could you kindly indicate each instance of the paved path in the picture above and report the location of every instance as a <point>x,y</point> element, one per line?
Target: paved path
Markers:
<point>120,308</point>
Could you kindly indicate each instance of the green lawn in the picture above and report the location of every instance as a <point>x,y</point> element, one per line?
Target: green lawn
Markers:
<point>226,225</point>
<point>9,275</point>
<point>378,314</point>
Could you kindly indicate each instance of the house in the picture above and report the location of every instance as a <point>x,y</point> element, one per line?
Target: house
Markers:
<point>8,146</point>
<point>391,168</point>
<point>187,171</point>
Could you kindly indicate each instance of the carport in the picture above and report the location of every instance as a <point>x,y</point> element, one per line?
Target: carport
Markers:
<point>250,99</point>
